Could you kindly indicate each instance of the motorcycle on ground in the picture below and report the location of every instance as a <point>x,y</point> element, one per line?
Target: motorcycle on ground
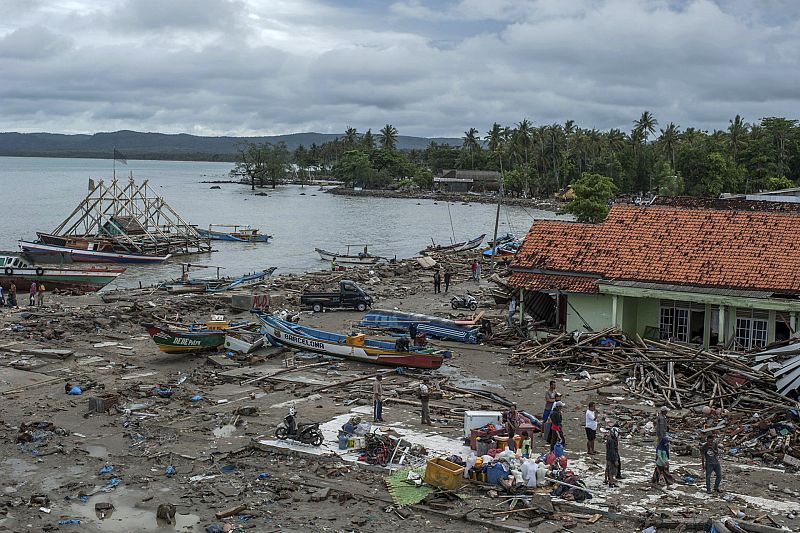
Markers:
<point>305,433</point>
<point>467,301</point>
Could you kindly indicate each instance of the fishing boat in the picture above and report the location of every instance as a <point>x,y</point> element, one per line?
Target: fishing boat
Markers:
<point>194,338</point>
<point>454,248</point>
<point>88,254</point>
<point>16,268</point>
<point>506,249</point>
<point>432,326</point>
<point>234,233</point>
<point>219,284</point>
<point>355,347</point>
<point>508,237</point>
<point>362,258</point>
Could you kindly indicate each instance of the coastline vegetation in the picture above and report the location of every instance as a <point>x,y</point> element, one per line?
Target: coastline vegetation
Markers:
<point>541,160</point>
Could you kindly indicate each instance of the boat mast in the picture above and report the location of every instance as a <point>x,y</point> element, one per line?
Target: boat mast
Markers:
<point>497,216</point>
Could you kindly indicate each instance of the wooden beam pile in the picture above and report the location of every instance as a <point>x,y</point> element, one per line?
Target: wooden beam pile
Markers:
<point>668,373</point>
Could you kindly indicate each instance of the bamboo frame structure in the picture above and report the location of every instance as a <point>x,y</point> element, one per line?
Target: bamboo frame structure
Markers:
<point>134,219</point>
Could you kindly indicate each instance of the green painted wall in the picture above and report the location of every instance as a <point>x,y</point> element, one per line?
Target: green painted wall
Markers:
<point>594,308</point>
<point>649,314</point>
<point>630,313</point>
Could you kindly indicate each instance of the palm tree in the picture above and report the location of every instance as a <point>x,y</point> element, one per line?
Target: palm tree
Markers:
<point>388,137</point>
<point>524,130</point>
<point>646,125</point>
<point>350,138</point>
<point>494,137</point>
<point>737,130</point>
<point>471,143</point>
<point>368,140</point>
<point>669,138</point>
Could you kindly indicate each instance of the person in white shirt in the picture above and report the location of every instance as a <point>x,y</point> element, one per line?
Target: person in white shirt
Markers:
<point>591,428</point>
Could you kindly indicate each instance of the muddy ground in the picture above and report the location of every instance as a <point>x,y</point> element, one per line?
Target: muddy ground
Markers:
<point>219,457</point>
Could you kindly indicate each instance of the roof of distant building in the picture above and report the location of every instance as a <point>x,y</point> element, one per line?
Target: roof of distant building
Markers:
<point>476,175</point>
<point>697,247</point>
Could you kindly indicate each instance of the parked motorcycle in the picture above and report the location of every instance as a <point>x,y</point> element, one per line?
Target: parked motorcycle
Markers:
<point>305,433</point>
<point>464,302</point>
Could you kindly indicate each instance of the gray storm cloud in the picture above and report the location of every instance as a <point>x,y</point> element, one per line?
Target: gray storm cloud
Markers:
<point>429,68</point>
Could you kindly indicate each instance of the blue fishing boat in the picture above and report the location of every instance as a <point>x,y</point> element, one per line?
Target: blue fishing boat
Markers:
<point>234,233</point>
<point>432,326</point>
<point>355,347</point>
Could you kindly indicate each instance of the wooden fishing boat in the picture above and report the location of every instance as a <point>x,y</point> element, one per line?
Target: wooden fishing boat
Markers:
<point>186,284</point>
<point>454,248</point>
<point>355,347</point>
<point>363,258</point>
<point>432,326</point>
<point>80,255</point>
<point>236,233</point>
<point>16,268</point>
<point>195,338</point>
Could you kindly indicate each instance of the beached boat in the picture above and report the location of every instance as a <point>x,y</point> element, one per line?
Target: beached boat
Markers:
<point>88,255</point>
<point>234,233</point>
<point>356,347</point>
<point>362,258</point>
<point>194,338</point>
<point>454,248</point>
<point>433,326</point>
<point>507,249</point>
<point>16,268</point>
<point>502,239</point>
<point>186,284</point>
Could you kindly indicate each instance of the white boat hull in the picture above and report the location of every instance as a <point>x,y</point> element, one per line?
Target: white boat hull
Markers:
<point>349,259</point>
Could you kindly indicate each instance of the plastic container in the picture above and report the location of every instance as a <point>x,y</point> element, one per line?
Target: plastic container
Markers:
<point>343,441</point>
<point>443,474</point>
<point>502,442</point>
<point>482,446</point>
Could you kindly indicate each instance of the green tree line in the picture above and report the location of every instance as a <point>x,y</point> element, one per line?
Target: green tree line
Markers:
<point>540,160</point>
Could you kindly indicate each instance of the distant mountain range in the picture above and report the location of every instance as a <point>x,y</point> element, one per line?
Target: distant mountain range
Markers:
<point>139,145</point>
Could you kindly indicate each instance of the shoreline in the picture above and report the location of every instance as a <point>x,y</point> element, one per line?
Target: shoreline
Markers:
<point>545,204</point>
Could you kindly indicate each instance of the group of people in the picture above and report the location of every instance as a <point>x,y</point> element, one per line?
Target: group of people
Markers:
<point>423,393</point>
<point>36,294</point>
<point>437,280</point>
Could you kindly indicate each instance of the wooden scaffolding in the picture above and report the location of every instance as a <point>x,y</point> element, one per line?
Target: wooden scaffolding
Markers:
<point>134,219</point>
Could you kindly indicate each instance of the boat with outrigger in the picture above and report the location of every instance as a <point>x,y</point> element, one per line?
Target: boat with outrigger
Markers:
<point>185,284</point>
<point>195,337</point>
<point>233,232</point>
<point>455,248</point>
<point>361,258</point>
<point>355,347</point>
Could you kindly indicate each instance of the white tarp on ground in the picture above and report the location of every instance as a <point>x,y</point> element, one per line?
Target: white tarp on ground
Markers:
<point>436,445</point>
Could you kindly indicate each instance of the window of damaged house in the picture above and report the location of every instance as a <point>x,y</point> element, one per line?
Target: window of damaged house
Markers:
<point>751,328</point>
<point>682,321</point>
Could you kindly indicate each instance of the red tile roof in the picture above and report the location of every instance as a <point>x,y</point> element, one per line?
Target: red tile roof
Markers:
<point>543,282</point>
<point>697,247</point>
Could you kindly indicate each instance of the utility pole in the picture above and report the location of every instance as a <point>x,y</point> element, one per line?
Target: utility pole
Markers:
<point>497,216</point>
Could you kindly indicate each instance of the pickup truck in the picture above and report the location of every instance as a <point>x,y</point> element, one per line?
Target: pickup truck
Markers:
<point>349,295</point>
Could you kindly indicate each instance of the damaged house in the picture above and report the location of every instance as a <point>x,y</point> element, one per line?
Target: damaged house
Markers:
<point>702,275</point>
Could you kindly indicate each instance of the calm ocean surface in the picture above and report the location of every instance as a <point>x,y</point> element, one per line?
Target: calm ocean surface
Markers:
<point>36,194</point>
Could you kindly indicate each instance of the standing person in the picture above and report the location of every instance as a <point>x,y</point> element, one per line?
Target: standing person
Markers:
<point>556,430</point>
<point>512,307</point>
<point>709,459</point>
<point>474,269</point>
<point>512,421</point>
<point>424,398</point>
<point>478,272</point>
<point>662,463</point>
<point>437,282</point>
<point>377,399</point>
<point>612,457</point>
<point>2,297</point>
<point>40,295</point>
<point>662,426</point>
<point>591,428</point>
<point>549,399</point>
<point>32,294</point>
<point>447,276</point>
<point>12,295</point>
<point>333,265</point>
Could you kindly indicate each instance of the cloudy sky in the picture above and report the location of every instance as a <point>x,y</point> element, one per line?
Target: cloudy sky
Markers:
<point>429,67</point>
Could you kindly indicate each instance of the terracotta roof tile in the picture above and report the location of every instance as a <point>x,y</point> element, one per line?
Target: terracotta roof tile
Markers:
<point>539,282</point>
<point>715,248</point>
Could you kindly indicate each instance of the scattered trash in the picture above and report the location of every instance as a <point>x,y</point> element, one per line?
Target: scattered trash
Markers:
<point>106,469</point>
<point>170,471</point>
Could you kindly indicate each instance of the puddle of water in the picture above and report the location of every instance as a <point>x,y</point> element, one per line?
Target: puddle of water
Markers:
<point>460,379</point>
<point>224,431</point>
<point>97,451</point>
<point>129,513</point>
<point>20,468</point>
